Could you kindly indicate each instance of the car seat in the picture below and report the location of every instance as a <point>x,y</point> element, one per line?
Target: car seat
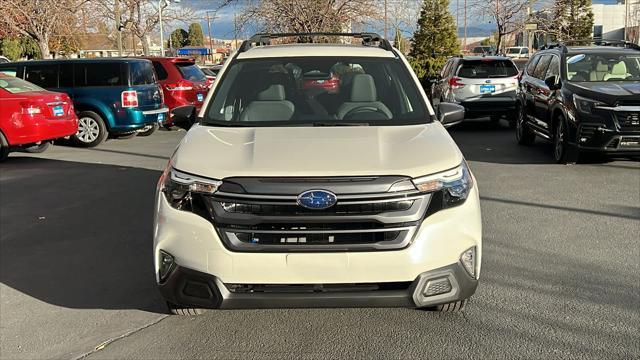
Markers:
<point>270,105</point>
<point>363,94</point>
<point>618,72</point>
<point>599,72</point>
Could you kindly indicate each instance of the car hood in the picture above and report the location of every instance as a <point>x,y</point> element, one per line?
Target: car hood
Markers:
<point>607,91</point>
<point>218,152</point>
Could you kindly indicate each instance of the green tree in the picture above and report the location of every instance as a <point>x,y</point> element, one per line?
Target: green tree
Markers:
<point>573,20</point>
<point>179,38</point>
<point>196,37</point>
<point>30,47</point>
<point>10,48</point>
<point>434,40</point>
<point>400,42</point>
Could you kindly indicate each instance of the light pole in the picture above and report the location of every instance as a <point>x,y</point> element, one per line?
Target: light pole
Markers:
<point>161,5</point>
<point>209,30</point>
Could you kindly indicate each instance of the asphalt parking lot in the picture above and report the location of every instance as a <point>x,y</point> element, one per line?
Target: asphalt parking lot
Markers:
<point>560,276</point>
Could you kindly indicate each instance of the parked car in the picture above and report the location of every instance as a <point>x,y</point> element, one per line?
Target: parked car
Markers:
<point>517,52</point>
<point>276,198</point>
<point>32,116</point>
<point>483,50</point>
<point>583,99</point>
<point>4,60</point>
<point>182,82</point>
<point>211,72</point>
<point>118,97</point>
<point>484,85</point>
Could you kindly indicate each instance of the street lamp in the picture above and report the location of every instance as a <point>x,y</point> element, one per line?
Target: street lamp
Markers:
<point>161,5</point>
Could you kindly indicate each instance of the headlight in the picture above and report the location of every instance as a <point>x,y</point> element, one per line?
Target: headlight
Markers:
<point>178,187</point>
<point>455,184</point>
<point>585,105</point>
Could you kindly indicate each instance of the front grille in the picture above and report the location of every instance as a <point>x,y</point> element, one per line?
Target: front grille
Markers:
<point>359,221</point>
<point>628,121</point>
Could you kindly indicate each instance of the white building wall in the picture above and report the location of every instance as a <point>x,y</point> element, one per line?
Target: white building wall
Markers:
<point>611,17</point>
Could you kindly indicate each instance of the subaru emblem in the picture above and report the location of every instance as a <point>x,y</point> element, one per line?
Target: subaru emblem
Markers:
<point>487,81</point>
<point>317,199</point>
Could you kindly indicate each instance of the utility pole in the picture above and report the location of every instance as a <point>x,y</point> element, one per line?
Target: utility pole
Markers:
<point>209,31</point>
<point>385,19</point>
<point>464,43</point>
<point>235,30</point>
<point>161,29</point>
<point>118,27</point>
<point>457,17</point>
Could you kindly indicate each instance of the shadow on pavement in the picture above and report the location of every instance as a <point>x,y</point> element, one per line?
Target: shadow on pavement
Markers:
<point>82,238</point>
<point>479,140</point>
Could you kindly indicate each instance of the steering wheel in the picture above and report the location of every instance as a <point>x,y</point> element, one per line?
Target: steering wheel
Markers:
<point>365,113</point>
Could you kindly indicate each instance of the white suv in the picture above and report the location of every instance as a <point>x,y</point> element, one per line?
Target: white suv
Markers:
<point>317,175</point>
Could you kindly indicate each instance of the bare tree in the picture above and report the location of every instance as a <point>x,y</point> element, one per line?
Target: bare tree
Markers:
<point>305,15</point>
<point>509,15</point>
<point>143,17</point>
<point>39,19</point>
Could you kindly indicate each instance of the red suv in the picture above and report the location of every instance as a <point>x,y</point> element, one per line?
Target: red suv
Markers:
<point>182,82</point>
<point>31,116</point>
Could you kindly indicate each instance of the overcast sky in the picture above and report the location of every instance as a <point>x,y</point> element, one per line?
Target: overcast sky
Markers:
<point>222,26</point>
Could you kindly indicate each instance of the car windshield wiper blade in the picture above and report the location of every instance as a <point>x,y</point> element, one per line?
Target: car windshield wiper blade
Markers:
<point>340,124</point>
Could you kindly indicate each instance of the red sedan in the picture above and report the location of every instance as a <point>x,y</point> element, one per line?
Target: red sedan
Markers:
<point>32,116</point>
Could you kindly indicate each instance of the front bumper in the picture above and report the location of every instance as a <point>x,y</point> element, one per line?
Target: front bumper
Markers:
<point>441,239</point>
<point>190,288</point>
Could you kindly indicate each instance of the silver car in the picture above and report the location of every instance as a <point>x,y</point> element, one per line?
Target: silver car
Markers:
<point>484,85</point>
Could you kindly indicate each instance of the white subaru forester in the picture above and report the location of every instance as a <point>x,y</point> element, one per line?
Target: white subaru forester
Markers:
<point>317,175</point>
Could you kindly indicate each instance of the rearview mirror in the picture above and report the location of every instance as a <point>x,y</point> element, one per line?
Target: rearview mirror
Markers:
<point>553,82</point>
<point>450,114</point>
<point>184,116</point>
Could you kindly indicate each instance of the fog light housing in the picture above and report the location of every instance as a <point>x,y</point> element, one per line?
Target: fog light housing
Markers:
<point>468,260</point>
<point>437,287</point>
<point>166,263</point>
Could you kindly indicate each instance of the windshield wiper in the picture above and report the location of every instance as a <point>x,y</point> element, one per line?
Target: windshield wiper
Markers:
<point>340,124</point>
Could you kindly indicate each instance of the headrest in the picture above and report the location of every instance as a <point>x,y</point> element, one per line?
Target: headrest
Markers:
<point>619,69</point>
<point>272,93</point>
<point>363,89</point>
<point>602,67</point>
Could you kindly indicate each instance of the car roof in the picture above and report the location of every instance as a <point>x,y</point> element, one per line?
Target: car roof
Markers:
<point>599,49</point>
<point>308,50</point>
<point>488,57</point>
<point>93,60</point>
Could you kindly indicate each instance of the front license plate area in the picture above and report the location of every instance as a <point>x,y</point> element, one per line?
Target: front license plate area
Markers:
<point>160,117</point>
<point>487,89</point>
<point>630,142</point>
<point>200,97</point>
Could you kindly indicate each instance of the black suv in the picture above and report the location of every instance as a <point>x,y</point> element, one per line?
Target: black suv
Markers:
<point>583,99</point>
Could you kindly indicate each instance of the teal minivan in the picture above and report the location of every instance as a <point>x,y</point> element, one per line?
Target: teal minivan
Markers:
<point>116,97</point>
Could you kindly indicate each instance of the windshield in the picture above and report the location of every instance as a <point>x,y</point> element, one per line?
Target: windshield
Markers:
<point>513,51</point>
<point>487,68</point>
<point>603,67</point>
<point>16,86</point>
<point>317,91</point>
<point>191,72</point>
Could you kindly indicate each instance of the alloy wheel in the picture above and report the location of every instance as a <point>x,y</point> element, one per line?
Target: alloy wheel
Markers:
<point>88,130</point>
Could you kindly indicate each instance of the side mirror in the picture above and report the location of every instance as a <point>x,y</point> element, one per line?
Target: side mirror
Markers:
<point>450,114</point>
<point>553,82</point>
<point>434,80</point>
<point>184,116</point>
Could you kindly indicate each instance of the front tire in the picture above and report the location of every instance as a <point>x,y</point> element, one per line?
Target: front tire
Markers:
<point>563,152</point>
<point>91,130</point>
<point>4,148</point>
<point>175,309</point>
<point>450,307</point>
<point>524,135</point>
<point>149,131</point>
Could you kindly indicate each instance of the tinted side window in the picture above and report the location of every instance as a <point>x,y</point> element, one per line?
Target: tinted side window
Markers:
<point>160,71</point>
<point>532,65</point>
<point>66,75</point>
<point>99,74</point>
<point>9,70</point>
<point>541,67</point>
<point>45,76</point>
<point>142,73</point>
<point>554,67</point>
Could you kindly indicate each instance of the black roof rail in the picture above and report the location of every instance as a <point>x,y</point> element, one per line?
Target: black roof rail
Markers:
<point>261,39</point>
<point>603,42</point>
<point>548,46</point>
